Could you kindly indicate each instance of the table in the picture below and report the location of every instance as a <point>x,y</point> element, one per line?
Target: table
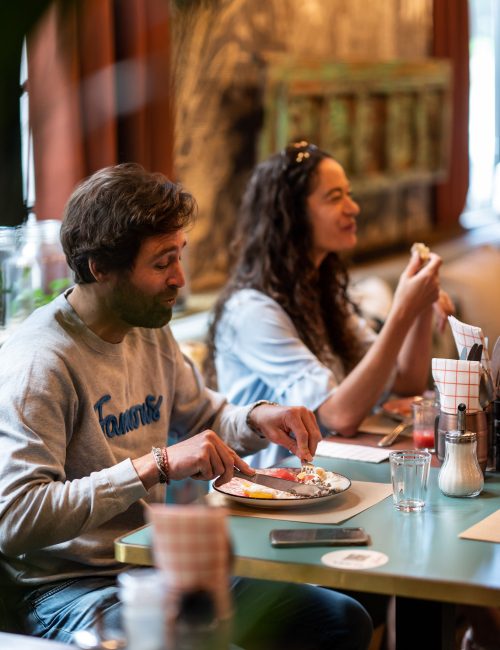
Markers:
<point>427,560</point>
<point>23,642</point>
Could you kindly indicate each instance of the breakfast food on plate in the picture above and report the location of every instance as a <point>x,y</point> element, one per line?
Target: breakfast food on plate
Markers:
<point>401,405</point>
<point>327,482</point>
<point>423,250</point>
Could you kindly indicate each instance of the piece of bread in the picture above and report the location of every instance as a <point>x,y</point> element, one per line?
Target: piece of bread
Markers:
<point>423,250</point>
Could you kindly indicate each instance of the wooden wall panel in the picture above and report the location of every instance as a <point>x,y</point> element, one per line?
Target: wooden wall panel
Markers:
<point>220,51</point>
<point>387,123</point>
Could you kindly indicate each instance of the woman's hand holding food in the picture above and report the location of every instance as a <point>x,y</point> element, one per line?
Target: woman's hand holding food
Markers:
<point>418,286</point>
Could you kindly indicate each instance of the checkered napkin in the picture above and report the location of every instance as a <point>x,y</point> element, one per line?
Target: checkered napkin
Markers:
<point>457,382</point>
<point>191,544</point>
<point>466,335</point>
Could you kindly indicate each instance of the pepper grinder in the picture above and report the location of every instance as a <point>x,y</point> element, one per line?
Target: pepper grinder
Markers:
<point>461,475</point>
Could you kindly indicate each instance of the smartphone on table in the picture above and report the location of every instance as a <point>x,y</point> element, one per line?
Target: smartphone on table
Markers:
<point>343,536</point>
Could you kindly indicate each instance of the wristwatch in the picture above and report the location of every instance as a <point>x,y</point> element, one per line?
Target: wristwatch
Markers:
<point>254,406</point>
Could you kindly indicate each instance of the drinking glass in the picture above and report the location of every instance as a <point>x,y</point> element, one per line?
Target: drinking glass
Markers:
<point>425,412</point>
<point>409,474</point>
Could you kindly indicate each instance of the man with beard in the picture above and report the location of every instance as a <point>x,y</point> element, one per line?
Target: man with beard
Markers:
<point>90,387</point>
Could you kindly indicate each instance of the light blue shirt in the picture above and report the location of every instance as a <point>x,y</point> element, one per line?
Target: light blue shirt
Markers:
<point>260,356</point>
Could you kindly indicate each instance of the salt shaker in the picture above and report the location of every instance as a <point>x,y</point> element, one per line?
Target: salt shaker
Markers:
<point>461,475</point>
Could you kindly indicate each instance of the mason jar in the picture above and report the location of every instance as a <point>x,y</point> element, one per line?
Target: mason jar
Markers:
<point>7,252</point>
<point>38,272</point>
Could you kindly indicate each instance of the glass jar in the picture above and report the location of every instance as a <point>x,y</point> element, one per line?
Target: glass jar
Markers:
<point>143,594</point>
<point>461,475</point>
<point>7,252</point>
<point>39,271</point>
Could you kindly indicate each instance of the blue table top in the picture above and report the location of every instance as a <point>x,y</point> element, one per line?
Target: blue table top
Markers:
<point>426,559</point>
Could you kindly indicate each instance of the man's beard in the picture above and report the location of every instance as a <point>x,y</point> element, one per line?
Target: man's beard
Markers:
<point>139,310</point>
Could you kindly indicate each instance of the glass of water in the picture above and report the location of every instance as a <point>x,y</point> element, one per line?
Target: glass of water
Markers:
<point>409,474</point>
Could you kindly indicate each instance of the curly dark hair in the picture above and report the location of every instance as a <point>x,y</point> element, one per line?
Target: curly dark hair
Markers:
<point>110,213</point>
<point>272,252</point>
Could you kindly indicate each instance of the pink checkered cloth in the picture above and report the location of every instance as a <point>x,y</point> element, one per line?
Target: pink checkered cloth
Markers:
<point>466,335</point>
<point>457,382</point>
<point>191,544</point>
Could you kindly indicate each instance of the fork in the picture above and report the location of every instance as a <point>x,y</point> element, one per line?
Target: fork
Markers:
<point>307,466</point>
<point>387,440</point>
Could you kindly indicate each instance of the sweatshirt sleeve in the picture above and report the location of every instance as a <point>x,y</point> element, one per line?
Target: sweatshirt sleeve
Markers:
<point>40,505</point>
<point>196,408</point>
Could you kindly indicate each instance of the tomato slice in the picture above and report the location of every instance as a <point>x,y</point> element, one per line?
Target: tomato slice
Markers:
<point>283,473</point>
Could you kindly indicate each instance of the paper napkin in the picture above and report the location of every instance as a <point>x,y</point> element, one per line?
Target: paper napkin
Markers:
<point>352,452</point>
<point>457,382</point>
<point>466,335</point>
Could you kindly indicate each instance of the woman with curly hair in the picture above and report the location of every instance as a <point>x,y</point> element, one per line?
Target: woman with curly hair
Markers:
<point>284,328</point>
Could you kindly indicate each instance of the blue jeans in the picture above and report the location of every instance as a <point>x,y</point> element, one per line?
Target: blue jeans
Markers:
<point>268,615</point>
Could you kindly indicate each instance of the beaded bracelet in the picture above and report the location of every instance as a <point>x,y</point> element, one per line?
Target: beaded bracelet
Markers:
<point>166,464</point>
<point>161,460</point>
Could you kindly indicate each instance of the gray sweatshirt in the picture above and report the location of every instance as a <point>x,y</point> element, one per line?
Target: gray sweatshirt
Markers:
<point>74,410</point>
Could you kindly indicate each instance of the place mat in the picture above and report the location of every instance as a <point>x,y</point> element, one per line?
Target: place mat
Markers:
<point>486,530</point>
<point>360,496</point>
<point>381,425</point>
<point>352,452</point>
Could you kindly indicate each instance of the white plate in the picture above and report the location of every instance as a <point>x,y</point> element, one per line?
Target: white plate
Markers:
<point>342,485</point>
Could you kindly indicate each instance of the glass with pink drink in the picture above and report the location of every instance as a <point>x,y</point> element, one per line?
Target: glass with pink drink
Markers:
<point>425,412</point>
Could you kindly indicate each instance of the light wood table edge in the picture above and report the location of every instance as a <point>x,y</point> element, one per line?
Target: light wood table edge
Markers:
<point>133,553</point>
<point>373,582</point>
<point>426,589</point>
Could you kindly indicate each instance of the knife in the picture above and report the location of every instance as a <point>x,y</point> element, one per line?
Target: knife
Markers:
<point>280,484</point>
<point>472,352</point>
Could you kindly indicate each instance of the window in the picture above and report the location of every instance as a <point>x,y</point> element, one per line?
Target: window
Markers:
<point>28,169</point>
<point>483,200</point>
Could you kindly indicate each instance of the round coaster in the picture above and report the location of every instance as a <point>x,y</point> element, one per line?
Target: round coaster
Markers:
<point>354,559</point>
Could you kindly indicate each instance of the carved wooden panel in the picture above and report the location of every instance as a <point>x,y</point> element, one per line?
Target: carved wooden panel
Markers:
<point>219,68</point>
<point>386,123</point>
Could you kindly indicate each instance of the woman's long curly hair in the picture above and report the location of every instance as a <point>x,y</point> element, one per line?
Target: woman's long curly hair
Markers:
<point>272,253</point>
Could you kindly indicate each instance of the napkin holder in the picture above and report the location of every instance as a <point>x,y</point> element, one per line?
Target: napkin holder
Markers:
<point>496,431</point>
<point>461,381</point>
<point>477,422</point>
